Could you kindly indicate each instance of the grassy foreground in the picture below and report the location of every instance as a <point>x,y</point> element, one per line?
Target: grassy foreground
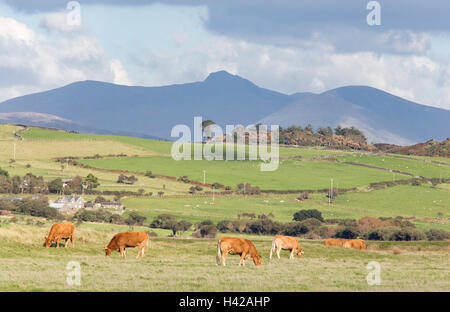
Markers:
<point>187,264</point>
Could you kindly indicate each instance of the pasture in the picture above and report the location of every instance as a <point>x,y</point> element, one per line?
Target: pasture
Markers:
<point>416,167</point>
<point>290,175</point>
<point>187,264</point>
<point>423,202</point>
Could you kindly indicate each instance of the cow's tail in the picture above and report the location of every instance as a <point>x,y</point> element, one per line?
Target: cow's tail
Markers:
<point>219,254</point>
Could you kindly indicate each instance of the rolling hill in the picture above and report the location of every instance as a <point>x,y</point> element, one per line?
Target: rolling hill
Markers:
<point>105,108</point>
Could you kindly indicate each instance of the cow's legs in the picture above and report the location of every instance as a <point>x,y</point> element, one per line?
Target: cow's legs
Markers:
<point>272,249</point>
<point>224,258</point>
<point>278,251</point>
<point>242,260</point>
<point>72,239</point>
<point>57,242</point>
<point>66,242</point>
<point>291,256</point>
<point>122,252</point>
<point>140,251</point>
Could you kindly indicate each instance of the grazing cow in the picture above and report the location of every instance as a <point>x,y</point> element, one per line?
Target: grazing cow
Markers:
<point>121,241</point>
<point>286,243</point>
<point>61,231</point>
<point>355,244</point>
<point>335,242</point>
<point>237,246</point>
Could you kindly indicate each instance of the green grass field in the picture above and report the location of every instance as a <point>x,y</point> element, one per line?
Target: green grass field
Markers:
<point>403,200</point>
<point>290,175</point>
<point>186,264</point>
<point>420,168</point>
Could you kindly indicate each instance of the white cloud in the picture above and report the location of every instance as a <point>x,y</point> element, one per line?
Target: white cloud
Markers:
<point>31,62</point>
<point>289,70</point>
<point>56,22</point>
<point>120,74</point>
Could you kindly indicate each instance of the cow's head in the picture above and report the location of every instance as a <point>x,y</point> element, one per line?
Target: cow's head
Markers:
<point>257,260</point>
<point>108,251</point>
<point>48,242</point>
<point>300,252</point>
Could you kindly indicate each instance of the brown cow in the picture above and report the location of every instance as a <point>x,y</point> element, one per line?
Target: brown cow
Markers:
<point>286,243</point>
<point>355,244</point>
<point>237,246</point>
<point>121,241</point>
<point>61,231</point>
<point>334,242</point>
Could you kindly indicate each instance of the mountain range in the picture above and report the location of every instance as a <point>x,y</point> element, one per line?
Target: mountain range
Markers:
<point>151,112</point>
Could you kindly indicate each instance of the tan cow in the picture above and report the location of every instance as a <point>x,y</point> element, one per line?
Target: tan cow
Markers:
<point>121,241</point>
<point>335,242</point>
<point>61,231</point>
<point>355,244</point>
<point>286,243</point>
<point>237,246</point>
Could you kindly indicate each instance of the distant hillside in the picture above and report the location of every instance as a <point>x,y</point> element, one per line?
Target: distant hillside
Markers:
<point>105,108</point>
<point>381,116</point>
<point>222,97</point>
<point>430,148</point>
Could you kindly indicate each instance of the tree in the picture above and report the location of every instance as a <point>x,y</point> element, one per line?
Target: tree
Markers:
<point>207,128</point>
<point>308,213</point>
<point>205,229</point>
<point>100,199</point>
<point>55,186</point>
<point>92,181</point>
<point>180,226</point>
<point>4,172</point>
<point>75,184</point>
<point>135,218</point>
<point>328,132</point>
<point>163,221</point>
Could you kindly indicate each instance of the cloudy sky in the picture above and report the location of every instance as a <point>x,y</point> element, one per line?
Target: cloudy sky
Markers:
<point>287,46</point>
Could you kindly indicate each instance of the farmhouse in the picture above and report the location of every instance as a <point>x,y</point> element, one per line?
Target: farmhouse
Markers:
<point>112,205</point>
<point>92,206</point>
<point>68,203</point>
<point>118,207</point>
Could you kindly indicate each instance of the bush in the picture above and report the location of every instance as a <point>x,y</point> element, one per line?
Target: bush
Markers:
<point>163,221</point>
<point>346,232</point>
<point>205,229</point>
<point>225,226</point>
<point>408,234</point>
<point>37,208</point>
<point>382,233</point>
<point>135,218</point>
<point>264,226</point>
<point>180,226</point>
<point>308,213</point>
<point>437,235</point>
<point>294,229</point>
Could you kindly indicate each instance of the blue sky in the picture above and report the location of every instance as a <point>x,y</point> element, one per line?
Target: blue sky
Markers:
<point>287,46</point>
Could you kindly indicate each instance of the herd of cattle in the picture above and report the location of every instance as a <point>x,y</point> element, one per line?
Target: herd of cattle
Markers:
<point>226,245</point>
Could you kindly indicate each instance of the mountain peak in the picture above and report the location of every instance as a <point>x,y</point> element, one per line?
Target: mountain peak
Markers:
<point>221,75</point>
